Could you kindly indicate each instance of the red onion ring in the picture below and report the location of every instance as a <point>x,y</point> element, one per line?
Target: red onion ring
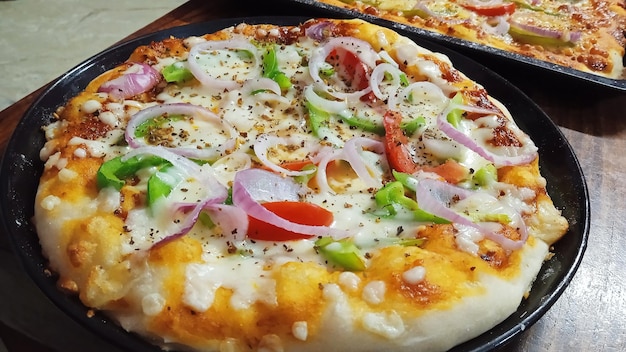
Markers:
<point>201,74</point>
<point>194,111</point>
<point>322,159</point>
<point>337,107</point>
<point>430,91</point>
<point>137,79</point>
<point>317,30</point>
<point>378,75</point>
<point>525,154</point>
<point>232,220</point>
<point>216,192</point>
<point>263,89</point>
<point>251,181</point>
<point>349,153</point>
<point>264,142</point>
<point>433,196</point>
<point>500,27</point>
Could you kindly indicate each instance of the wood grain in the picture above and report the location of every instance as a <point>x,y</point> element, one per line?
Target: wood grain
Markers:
<point>590,313</point>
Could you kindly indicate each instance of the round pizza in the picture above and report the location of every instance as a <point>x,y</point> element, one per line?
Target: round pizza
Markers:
<point>324,186</point>
<point>586,35</point>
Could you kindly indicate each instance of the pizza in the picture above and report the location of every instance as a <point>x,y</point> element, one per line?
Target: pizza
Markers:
<point>330,185</point>
<point>586,35</point>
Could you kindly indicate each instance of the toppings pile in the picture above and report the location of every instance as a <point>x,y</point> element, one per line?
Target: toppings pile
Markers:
<point>318,138</point>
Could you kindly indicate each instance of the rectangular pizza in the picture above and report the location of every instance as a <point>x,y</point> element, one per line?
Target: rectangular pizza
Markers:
<point>585,35</point>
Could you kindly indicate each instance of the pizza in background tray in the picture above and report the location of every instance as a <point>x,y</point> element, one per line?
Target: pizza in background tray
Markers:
<point>326,186</point>
<point>586,35</point>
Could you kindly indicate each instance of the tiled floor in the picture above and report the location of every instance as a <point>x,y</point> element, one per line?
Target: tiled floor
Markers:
<point>41,39</point>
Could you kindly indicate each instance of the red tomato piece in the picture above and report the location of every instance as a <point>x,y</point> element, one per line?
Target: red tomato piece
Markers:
<point>396,144</point>
<point>297,212</point>
<point>350,68</point>
<point>400,158</point>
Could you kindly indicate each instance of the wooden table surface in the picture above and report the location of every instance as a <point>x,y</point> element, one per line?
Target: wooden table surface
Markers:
<point>590,315</point>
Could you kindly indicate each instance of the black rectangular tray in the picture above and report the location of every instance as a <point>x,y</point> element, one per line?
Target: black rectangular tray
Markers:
<point>496,59</point>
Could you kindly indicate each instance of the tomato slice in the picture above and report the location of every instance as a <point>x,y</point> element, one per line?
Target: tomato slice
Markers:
<point>400,158</point>
<point>296,165</point>
<point>396,144</point>
<point>350,68</point>
<point>506,8</point>
<point>451,171</point>
<point>298,212</point>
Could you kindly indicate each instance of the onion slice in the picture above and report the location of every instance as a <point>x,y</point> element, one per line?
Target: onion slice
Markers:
<point>206,48</point>
<point>521,155</point>
<point>434,196</point>
<point>266,141</point>
<point>351,153</point>
<point>251,182</point>
<point>378,75</point>
<point>358,47</point>
<point>137,79</point>
<point>195,111</point>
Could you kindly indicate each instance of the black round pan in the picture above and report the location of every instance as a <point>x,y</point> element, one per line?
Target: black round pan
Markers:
<point>21,169</point>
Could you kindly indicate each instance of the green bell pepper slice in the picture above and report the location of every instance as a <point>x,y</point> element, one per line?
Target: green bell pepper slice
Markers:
<point>177,73</point>
<point>485,176</point>
<point>113,173</point>
<point>343,253</point>
<point>318,119</point>
<point>525,36</point>
<point>393,195</point>
<point>271,70</point>
<point>158,185</point>
<point>456,115</point>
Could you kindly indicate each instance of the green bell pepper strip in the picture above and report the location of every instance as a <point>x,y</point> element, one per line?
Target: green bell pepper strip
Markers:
<point>206,220</point>
<point>392,195</point>
<point>501,218</point>
<point>410,127</point>
<point>317,119</point>
<point>407,180</point>
<point>158,185</point>
<point>271,70</point>
<point>370,126</point>
<point>454,117</point>
<point>113,172</point>
<point>485,176</point>
<point>177,73</point>
<point>404,242</point>
<point>364,124</point>
<point>343,253</point>
<point>304,179</point>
